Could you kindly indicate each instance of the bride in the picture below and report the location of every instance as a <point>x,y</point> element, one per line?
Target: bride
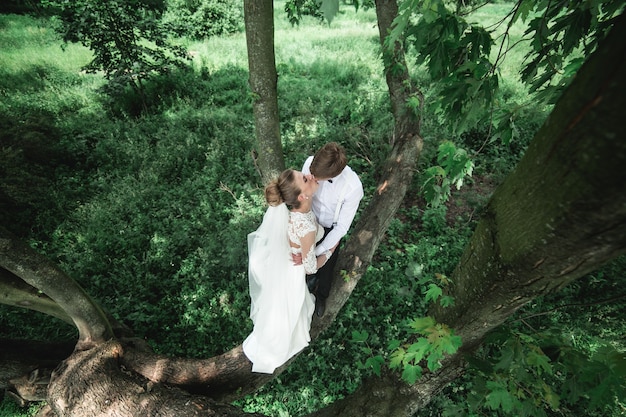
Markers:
<point>282,306</point>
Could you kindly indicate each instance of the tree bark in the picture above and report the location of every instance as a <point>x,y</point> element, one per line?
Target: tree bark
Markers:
<point>259,22</point>
<point>397,75</point>
<point>92,383</point>
<point>15,292</point>
<point>39,272</point>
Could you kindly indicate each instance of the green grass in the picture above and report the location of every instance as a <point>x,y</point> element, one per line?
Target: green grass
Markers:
<point>37,71</point>
<point>28,42</point>
<point>9,408</point>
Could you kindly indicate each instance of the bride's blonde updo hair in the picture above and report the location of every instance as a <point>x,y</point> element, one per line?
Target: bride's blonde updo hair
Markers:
<point>283,190</point>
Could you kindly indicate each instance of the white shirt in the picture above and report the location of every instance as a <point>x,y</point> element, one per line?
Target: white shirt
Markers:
<point>328,196</point>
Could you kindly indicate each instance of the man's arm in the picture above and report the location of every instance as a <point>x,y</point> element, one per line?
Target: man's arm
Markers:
<point>346,216</point>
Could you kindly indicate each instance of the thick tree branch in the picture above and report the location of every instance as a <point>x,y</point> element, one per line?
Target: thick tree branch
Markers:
<point>396,177</point>
<point>36,270</point>
<point>96,378</point>
<point>17,293</point>
<point>560,215</point>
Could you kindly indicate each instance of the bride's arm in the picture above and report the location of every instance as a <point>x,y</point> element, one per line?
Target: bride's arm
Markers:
<point>311,263</point>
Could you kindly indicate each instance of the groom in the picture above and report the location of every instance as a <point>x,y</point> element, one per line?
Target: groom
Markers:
<point>334,204</point>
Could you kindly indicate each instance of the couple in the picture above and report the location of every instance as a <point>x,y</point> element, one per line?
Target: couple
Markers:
<point>309,212</point>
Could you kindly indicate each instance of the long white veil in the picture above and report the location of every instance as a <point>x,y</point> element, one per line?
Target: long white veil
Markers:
<point>268,255</point>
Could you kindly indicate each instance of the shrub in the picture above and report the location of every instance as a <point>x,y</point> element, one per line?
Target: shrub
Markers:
<point>199,19</point>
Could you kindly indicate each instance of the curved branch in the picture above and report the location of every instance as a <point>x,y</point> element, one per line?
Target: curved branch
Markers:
<point>17,293</point>
<point>225,377</point>
<point>38,271</point>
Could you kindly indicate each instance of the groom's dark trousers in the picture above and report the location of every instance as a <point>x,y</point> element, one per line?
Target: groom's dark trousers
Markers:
<point>325,273</point>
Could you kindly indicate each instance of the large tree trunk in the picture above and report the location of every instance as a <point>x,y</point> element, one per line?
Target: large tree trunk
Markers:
<point>92,383</point>
<point>259,21</point>
<point>399,83</point>
<point>397,175</point>
<point>558,216</point>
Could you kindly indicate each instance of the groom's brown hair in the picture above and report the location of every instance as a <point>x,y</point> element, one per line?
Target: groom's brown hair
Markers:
<point>329,161</point>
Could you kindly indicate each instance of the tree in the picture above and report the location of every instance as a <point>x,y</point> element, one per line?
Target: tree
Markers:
<point>558,216</point>
<point>128,42</point>
<point>259,20</point>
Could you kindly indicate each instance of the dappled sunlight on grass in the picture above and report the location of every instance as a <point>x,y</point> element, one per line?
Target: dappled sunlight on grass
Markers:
<point>232,52</point>
<point>25,42</point>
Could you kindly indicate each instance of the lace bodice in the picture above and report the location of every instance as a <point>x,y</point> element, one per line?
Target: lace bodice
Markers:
<point>300,224</point>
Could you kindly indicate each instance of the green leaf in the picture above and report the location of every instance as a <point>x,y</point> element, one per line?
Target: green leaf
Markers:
<point>431,10</point>
<point>504,127</point>
<point>393,345</point>
<point>451,344</point>
<point>601,393</point>
<point>375,363</point>
<point>433,292</point>
<point>399,26</point>
<point>499,398</point>
<point>431,188</point>
<point>359,336</point>
<point>524,9</point>
<point>447,149</point>
<point>414,103</point>
<point>507,355</point>
<point>417,351</point>
<point>456,165</point>
<point>397,358</point>
<point>411,374</point>
<point>540,361</point>
<point>434,360</point>
<point>421,323</point>
<point>435,171</point>
<point>572,68</point>
<point>446,301</point>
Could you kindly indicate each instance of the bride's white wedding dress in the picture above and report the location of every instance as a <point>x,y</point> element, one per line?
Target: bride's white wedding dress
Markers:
<point>282,306</point>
